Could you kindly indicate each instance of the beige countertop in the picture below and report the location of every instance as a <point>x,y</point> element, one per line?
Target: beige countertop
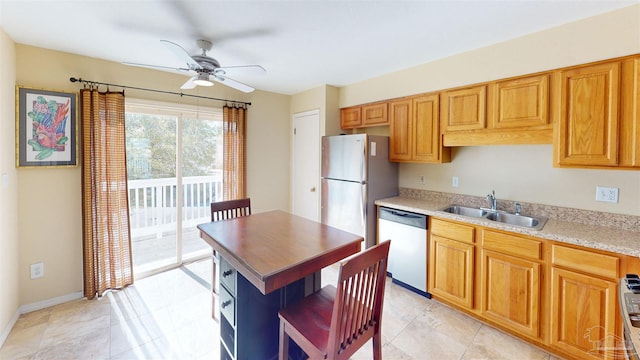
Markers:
<point>592,236</point>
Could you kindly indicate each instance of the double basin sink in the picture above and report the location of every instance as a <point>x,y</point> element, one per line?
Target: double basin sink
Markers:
<point>531,222</point>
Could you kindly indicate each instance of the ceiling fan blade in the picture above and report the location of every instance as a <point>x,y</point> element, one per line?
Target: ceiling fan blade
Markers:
<point>182,54</point>
<point>157,67</point>
<point>241,69</point>
<point>189,84</point>
<point>232,83</point>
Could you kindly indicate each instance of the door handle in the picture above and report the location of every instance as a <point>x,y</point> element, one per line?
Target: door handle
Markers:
<point>313,189</point>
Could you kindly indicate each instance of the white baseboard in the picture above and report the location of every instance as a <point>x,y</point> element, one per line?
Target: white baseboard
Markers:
<point>5,332</point>
<point>50,302</point>
<point>36,306</point>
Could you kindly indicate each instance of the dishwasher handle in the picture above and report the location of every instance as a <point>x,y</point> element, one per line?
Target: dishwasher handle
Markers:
<point>403,217</point>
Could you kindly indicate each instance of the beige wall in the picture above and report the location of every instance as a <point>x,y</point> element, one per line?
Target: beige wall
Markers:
<point>9,288</point>
<point>49,211</point>
<point>325,99</point>
<point>523,173</point>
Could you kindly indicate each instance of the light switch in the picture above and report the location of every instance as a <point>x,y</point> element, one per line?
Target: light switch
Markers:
<point>5,181</point>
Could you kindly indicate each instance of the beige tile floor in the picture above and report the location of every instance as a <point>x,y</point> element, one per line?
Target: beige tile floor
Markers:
<point>167,316</point>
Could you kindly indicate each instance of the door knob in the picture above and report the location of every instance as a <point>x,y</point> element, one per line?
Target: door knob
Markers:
<point>313,189</point>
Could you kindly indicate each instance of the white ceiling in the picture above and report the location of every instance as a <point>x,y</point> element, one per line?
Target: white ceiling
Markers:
<point>301,43</point>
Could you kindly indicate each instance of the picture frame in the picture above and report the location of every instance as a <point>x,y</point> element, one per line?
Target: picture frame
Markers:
<point>46,128</point>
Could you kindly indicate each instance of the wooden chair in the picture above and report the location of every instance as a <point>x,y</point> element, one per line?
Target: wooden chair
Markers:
<point>334,323</point>
<point>224,210</point>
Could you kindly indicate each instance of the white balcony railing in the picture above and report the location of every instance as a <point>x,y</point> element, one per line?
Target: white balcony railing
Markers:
<point>153,203</point>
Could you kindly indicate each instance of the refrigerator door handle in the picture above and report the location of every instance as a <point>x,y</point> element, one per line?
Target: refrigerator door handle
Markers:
<point>363,208</point>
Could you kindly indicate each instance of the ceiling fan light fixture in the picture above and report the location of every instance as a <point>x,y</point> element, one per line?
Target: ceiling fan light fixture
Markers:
<point>203,80</point>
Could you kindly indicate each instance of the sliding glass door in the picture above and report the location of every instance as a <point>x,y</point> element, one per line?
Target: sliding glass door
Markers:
<point>174,157</point>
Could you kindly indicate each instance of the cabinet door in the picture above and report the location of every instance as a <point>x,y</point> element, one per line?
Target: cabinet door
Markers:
<point>375,114</point>
<point>583,314</point>
<point>588,126</point>
<point>511,292</point>
<point>464,109</point>
<point>400,130</point>
<point>451,266</point>
<point>350,117</point>
<point>520,103</point>
<point>426,128</point>
<point>630,114</point>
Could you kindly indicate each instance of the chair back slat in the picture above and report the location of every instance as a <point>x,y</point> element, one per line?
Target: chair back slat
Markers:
<point>357,309</point>
<point>230,209</point>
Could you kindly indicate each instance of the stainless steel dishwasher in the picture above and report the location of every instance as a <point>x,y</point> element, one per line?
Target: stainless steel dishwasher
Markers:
<point>407,264</point>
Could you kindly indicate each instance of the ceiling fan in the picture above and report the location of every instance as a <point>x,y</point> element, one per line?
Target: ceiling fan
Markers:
<point>205,69</point>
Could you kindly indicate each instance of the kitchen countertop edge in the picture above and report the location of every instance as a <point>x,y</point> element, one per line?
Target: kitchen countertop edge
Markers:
<point>619,241</point>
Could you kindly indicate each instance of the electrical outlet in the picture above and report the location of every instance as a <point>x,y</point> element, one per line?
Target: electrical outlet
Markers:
<point>455,182</point>
<point>606,194</point>
<point>37,270</point>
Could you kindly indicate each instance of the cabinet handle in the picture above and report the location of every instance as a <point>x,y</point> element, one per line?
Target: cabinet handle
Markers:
<point>225,304</point>
<point>227,273</point>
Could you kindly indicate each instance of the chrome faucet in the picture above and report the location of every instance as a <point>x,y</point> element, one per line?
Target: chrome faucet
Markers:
<point>518,208</point>
<point>492,198</point>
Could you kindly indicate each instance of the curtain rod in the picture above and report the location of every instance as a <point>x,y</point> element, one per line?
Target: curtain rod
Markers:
<point>89,82</point>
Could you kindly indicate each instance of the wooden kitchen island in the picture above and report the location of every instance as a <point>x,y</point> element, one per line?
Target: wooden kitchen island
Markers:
<point>267,261</point>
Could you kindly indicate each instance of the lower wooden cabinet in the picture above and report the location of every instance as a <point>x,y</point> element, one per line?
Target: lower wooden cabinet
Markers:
<point>583,302</point>
<point>511,292</point>
<point>452,270</point>
<point>452,262</point>
<point>560,297</point>
<point>511,280</point>
<point>583,314</point>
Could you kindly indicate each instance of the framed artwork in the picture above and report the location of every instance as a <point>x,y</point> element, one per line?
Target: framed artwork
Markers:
<point>46,128</point>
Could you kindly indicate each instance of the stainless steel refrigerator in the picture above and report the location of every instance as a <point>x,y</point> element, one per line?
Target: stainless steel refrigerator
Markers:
<point>356,172</point>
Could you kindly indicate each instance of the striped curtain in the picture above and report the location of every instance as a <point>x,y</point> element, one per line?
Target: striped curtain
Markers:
<point>234,157</point>
<point>105,202</point>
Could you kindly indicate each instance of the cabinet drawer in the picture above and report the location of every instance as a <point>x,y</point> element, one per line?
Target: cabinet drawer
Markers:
<point>511,244</point>
<point>224,355</point>
<point>228,275</point>
<point>228,306</point>
<point>452,230</point>
<point>586,261</point>
<point>227,339</point>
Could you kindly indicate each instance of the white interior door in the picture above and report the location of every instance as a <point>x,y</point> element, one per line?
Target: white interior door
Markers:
<point>306,165</point>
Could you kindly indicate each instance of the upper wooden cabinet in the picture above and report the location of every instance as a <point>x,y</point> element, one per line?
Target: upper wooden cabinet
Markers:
<point>351,117</point>
<point>464,109</point>
<point>374,114</point>
<point>415,130</point>
<point>599,116</point>
<point>510,111</point>
<point>588,126</point>
<point>400,130</point>
<point>520,103</point>
<point>629,137</point>
<point>590,113</point>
